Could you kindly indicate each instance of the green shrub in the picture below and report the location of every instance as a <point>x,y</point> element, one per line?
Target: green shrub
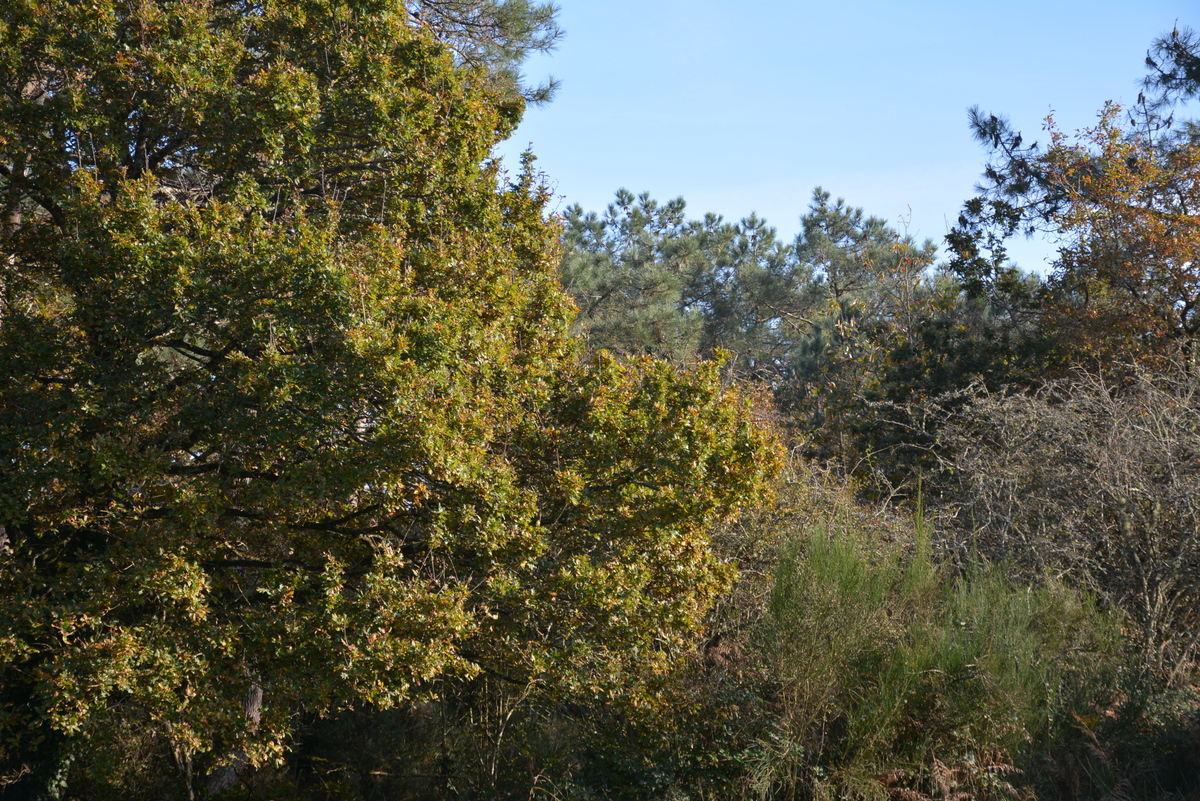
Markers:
<point>897,678</point>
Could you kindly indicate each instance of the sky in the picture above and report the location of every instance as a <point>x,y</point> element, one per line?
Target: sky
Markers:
<point>746,107</point>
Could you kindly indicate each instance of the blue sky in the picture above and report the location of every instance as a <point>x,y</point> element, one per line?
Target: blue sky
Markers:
<point>747,106</point>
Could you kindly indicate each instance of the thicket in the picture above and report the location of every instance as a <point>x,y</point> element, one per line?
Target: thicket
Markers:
<point>851,659</point>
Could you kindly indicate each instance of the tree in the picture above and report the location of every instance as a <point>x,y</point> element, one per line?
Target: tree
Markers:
<point>1121,198</point>
<point>847,325</point>
<point>629,273</point>
<point>1122,201</point>
<point>753,293</point>
<point>291,419</point>
<point>1089,473</point>
<point>1126,281</point>
<point>494,35</point>
<point>1174,63</point>
<point>648,280</point>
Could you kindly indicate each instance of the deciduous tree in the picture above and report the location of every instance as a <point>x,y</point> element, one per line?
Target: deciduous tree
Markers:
<point>291,421</point>
<point>1126,281</point>
<point>1120,197</point>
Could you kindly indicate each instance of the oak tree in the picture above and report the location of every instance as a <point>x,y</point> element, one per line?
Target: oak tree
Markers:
<point>291,420</point>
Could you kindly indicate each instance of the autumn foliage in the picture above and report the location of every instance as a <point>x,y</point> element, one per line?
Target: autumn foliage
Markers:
<point>1126,283</point>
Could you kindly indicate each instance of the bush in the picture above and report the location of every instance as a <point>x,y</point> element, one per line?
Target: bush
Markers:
<point>897,678</point>
<point>1094,478</point>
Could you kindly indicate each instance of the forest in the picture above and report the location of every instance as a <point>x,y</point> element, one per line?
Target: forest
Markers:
<point>333,465</point>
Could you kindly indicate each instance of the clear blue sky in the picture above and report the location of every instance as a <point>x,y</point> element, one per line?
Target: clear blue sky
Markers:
<point>747,106</point>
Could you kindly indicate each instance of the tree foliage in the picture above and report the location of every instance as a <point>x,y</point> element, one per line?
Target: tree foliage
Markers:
<point>1174,64</point>
<point>631,273</point>
<point>648,280</point>
<point>292,421</point>
<point>1126,280</point>
<point>1120,196</point>
<point>494,35</point>
<point>849,325</point>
